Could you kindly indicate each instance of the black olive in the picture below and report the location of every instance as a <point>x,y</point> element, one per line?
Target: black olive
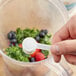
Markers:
<point>13,41</point>
<point>42,34</point>
<point>11,35</point>
<point>37,38</point>
<point>45,31</point>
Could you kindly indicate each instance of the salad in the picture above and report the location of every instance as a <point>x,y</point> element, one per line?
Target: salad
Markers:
<point>16,38</point>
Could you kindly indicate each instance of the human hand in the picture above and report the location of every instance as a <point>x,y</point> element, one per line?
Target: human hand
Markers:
<point>64,42</point>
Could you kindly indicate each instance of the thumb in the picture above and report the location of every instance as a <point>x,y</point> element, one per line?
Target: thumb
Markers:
<point>64,47</point>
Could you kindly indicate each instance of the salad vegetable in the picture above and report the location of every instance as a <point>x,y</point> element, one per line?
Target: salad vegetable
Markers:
<point>15,47</point>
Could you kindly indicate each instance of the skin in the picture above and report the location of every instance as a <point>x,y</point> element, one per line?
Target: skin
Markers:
<point>64,42</point>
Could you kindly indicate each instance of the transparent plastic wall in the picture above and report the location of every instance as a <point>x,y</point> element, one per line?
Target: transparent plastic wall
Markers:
<point>40,14</point>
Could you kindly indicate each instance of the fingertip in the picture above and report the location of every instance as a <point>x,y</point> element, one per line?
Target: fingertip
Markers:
<point>57,58</point>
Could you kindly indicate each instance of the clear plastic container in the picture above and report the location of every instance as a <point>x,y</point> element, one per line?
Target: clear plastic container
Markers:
<point>47,14</point>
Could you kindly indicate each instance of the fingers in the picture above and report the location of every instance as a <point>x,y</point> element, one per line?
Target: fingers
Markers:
<point>60,46</point>
<point>59,36</point>
<point>71,59</point>
<point>62,34</point>
<point>67,31</point>
<point>64,47</point>
<point>57,58</point>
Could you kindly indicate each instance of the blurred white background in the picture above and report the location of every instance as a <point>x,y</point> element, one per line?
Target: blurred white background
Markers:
<point>69,1</point>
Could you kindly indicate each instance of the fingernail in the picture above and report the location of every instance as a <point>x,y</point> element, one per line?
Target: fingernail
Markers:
<point>55,49</point>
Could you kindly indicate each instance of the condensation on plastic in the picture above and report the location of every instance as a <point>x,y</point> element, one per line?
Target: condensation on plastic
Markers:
<point>47,14</point>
